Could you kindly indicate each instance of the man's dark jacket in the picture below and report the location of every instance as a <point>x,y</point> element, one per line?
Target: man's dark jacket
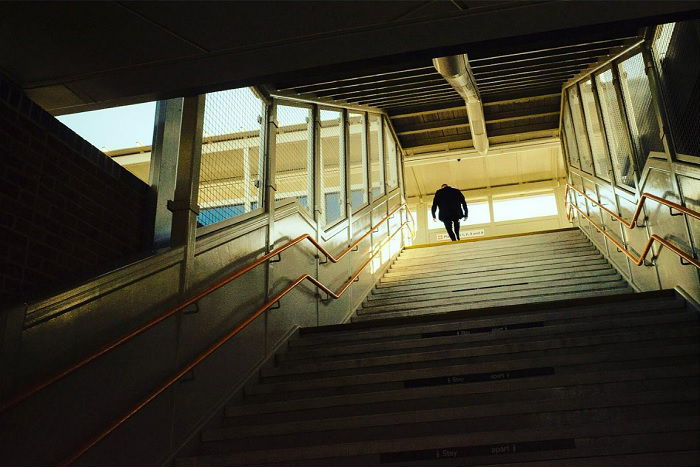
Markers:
<point>450,201</point>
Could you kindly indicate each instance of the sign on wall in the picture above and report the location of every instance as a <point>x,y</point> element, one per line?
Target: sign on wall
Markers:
<point>462,235</point>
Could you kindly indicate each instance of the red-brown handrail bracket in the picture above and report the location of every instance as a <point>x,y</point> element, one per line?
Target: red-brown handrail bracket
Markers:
<point>231,277</point>
<point>653,238</point>
<point>187,368</point>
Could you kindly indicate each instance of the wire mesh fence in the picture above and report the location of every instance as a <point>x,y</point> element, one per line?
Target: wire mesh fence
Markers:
<point>615,129</point>
<point>640,106</point>
<point>675,47</point>
<point>584,149</point>
<point>357,153</point>
<point>595,132</point>
<point>570,137</point>
<point>376,158</point>
<point>230,175</point>
<point>390,157</point>
<point>332,166</point>
<point>294,155</point>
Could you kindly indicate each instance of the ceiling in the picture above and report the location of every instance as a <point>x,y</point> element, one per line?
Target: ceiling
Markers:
<point>76,56</point>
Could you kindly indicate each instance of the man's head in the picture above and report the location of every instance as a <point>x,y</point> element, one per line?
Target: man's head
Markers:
<point>444,185</point>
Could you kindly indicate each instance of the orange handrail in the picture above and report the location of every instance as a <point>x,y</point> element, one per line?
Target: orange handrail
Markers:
<point>231,277</point>
<point>653,238</point>
<point>640,204</point>
<point>196,361</point>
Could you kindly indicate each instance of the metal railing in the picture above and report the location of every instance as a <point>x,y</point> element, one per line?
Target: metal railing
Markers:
<point>6,405</point>
<point>632,223</point>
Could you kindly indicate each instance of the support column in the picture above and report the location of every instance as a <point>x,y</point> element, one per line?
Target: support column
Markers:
<point>184,204</point>
<point>163,170</point>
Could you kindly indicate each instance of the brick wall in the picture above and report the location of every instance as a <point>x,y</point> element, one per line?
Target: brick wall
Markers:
<point>67,211</point>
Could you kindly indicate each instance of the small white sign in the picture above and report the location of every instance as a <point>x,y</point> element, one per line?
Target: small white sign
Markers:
<point>462,235</point>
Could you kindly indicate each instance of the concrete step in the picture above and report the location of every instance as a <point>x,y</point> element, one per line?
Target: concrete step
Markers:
<point>459,282</point>
<point>490,253</point>
<point>449,248</point>
<point>516,267</point>
<point>535,364</point>
<point>629,419</point>
<point>442,399</point>
<point>461,408</point>
<point>494,317</point>
<point>517,333</point>
<point>494,263</point>
<point>468,350</point>
<point>465,292</point>
<point>604,289</point>
<point>575,375</point>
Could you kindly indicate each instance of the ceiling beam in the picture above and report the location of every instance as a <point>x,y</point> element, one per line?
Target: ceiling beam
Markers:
<point>460,123</point>
<point>485,104</point>
<point>440,84</point>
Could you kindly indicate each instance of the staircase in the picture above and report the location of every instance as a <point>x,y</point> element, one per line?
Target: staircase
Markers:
<point>526,351</point>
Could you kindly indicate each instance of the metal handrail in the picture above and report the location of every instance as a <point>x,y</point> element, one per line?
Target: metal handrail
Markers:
<point>640,204</point>
<point>242,325</point>
<point>22,396</point>
<point>631,224</point>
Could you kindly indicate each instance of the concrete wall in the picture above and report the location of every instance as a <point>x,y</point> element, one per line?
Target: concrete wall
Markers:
<point>55,332</point>
<point>67,212</point>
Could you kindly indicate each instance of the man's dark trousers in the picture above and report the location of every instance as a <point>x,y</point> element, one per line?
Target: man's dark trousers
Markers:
<point>454,235</point>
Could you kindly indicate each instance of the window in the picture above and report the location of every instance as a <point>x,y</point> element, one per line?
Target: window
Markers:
<point>230,174</point>
<point>595,132</point>
<point>478,213</point>
<point>358,160</point>
<point>376,158</point>
<point>584,149</point>
<point>294,156</point>
<point>615,129</point>
<point>524,207</point>
<point>392,172</point>
<point>332,165</point>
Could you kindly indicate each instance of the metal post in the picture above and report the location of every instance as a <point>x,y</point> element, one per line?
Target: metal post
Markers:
<point>313,171</point>
<point>246,179</point>
<point>345,146</point>
<point>184,205</point>
<point>163,169</point>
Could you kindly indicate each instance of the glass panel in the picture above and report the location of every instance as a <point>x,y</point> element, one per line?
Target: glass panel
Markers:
<point>676,49</point>
<point>294,157</point>
<point>595,132</point>
<point>584,149</point>
<point>229,176</point>
<point>641,110</point>
<point>332,166</point>
<point>392,174</point>
<point>524,208</point>
<point>616,132</point>
<point>478,213</point>
<point>358,160</point>
<point>570,137</point>
<point>376,156</point>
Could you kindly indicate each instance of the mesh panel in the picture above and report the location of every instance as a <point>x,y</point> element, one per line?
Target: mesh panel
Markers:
<point>584,150</point>
<point>641,111</point>
<point>358,161</point>
<point>392,171</point>
<point>676,49</point>
<point>615,129</point>
<point>570,138</point>
<point>376,156</point>
<point>294,157</point>
<point>332,166</point>
<point>230,176</point>
<point>595,132</point>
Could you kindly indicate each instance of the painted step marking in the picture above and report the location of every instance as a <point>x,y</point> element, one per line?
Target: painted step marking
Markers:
<point>478,377</point>
<point>478,451</point>
<point>487,329</point>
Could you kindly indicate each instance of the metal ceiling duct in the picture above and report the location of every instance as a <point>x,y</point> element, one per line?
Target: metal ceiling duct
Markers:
<point>455,69</point>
